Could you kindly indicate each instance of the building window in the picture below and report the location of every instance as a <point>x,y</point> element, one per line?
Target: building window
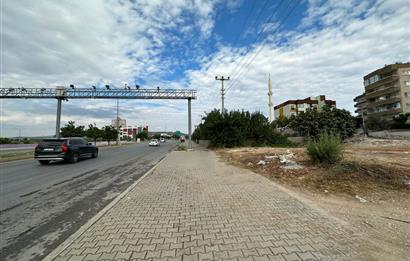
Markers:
<point>372,79</point>
<point>408,105</point>
<point>407,83</point>
<point>300,105</point>
<point>407,94</point>
<point>406,72</point>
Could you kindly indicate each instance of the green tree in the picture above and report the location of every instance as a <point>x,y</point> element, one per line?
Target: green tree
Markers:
<point>5,141</point>
<point>109,133</point>
<point>312,123</point>
<point>70,130</point>
<point>237,128</point>
<point>400,121</point>
<point>93,133</point>
<point>283,121</point>
<point>143,135</point>
<point>259,129</point>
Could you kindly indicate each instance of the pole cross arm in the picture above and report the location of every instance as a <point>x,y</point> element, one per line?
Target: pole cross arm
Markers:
<point>90,93</point>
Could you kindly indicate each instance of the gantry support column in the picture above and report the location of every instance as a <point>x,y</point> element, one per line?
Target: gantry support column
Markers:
<point>59,100</point>
<point>189,125</point>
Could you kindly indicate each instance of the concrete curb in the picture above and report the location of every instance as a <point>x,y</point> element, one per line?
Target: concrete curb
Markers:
<point>100,214</point>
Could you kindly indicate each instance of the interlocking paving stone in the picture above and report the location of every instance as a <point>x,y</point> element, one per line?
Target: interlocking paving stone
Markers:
<point>195,207</point>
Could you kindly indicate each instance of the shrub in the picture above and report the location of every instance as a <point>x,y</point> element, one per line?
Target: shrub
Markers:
<point>400,121</point>
<point>313,122</point>
<point>181,147</point>
<point>377,123</point>
<point>328,148</point>
<point>238,128</point>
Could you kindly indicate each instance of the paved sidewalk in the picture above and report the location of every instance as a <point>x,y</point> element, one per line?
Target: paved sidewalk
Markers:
<point>194,207</point>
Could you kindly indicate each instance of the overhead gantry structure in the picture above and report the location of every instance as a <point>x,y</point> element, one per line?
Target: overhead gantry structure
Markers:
<point>65,93</point>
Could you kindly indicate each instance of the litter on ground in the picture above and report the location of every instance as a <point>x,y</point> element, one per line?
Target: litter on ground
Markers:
<point>362,200</point>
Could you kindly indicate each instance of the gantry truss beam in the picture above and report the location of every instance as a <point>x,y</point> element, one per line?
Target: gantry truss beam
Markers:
<point>62,93</point>
<point>91,93</point>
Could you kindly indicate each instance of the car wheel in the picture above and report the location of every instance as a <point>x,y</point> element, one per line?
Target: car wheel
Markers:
<point>74,157</point>
<point>95,154</point>
<point>44,162</point>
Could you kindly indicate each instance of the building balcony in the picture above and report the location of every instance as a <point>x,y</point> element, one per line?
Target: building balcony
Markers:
<point>359,111</point>
<point>362,103</point>
<point>382,92</point>
<point>383,102</point>
<point>385,80</point>
<point>390,112</point>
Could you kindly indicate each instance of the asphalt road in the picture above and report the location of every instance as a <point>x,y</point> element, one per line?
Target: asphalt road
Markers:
<point>40,206</point>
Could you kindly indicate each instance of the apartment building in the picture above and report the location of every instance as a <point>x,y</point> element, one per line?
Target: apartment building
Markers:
<point>361,105</point>
<point>387,92</point>
<point>293,107</point>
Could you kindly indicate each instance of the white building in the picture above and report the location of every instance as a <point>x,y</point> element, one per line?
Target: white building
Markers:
<point>293,107</point>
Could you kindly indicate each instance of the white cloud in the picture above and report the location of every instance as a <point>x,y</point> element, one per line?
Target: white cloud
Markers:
<point>48,43</point>
<point>330,61</point>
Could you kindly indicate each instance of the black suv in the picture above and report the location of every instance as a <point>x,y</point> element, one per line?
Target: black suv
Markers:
<point>67,149</point>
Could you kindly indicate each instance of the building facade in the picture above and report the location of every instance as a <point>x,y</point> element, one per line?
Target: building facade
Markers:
<point>128,131</point>
<point>386,93</point>
<point>294,107</point>
<point>131,131</point>
<point>119,121</point>
<point>361,105</point>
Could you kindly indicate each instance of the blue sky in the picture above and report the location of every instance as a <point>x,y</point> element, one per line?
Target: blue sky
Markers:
<point>323,47</point>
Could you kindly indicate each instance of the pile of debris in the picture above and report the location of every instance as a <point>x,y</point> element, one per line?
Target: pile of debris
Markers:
<point>287,160</point>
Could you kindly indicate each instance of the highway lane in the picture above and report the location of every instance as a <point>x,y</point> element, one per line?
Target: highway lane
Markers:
<point>43,205</point>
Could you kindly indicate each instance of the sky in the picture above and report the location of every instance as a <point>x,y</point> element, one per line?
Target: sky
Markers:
<point>309,48</point>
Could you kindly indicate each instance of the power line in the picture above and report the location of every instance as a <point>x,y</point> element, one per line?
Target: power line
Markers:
<point>238,36</point>
<point>240,32</point>
<point>233,71</point>
<point>261,48</point>
<point>258,35</point>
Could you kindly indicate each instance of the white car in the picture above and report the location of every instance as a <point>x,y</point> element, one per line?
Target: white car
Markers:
<point>154,143</point>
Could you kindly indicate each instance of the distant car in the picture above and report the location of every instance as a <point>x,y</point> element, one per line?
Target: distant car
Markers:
<point>67,149</point>
<point>182,139</point>
<point>162,140</point>
<point>154,143</point>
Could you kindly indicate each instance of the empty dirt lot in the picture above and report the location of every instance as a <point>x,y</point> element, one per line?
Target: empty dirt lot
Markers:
<point>369,189</point>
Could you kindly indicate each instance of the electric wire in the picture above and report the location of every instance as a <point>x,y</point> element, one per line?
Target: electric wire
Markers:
<point>260,49</point>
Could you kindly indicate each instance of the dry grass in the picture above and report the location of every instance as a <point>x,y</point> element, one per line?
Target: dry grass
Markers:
<point>364,171</point>
<point>11,155</point>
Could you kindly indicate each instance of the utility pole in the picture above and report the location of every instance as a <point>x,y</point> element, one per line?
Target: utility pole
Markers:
<point>189,125</point>
<point>222,79</point>
<point>118,123</point>
<point>19,134</point>
<point>270,100</point>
